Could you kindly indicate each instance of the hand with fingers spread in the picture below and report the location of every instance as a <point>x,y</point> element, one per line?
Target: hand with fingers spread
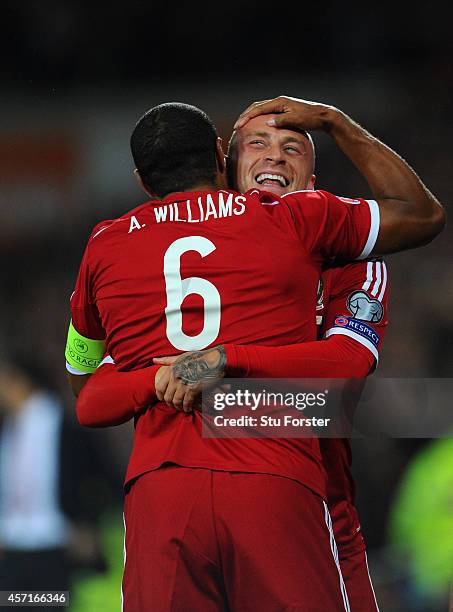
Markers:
<point>409,214</point>
<point>180,382</point>
<point>291,113</point>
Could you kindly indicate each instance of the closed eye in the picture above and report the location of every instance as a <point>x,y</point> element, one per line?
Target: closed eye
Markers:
<point>292,149</point>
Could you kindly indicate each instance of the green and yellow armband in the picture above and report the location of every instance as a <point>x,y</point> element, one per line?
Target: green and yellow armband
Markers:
<point>83,353</point>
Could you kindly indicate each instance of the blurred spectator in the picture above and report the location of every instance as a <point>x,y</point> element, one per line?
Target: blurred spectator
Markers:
<point>421,527</point>
<point>53,487</point>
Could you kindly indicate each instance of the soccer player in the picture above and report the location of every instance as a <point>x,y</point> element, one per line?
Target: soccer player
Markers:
<point>358,289</point>
<point>122,298</point>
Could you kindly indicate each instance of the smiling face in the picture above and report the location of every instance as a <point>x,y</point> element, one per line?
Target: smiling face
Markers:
<point>273,159</point>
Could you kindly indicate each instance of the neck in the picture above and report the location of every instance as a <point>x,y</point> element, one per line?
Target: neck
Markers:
<point>218,183</point>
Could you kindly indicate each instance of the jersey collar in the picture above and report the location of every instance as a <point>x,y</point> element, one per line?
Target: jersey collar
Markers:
<point>180,196</point>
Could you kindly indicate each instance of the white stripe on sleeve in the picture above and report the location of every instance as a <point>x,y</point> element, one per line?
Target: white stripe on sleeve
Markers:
<point>377,283</point>
<point>384,281</point>
<point>374,229</point>
<point>369,276</point>
<point>352,334</point>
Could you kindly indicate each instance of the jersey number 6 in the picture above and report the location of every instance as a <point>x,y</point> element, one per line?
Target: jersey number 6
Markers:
<point>177,289</point>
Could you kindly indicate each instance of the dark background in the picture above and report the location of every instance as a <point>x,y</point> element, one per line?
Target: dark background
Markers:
<point>75,78</point>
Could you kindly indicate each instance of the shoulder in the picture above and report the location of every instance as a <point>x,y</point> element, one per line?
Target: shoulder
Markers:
<point>106,227</point>
<point>287,200</point>
<point>263,197</point>
<point>369,269</point>
<point>303,195</point>
<point>307,196</point>
<point>364,281</point>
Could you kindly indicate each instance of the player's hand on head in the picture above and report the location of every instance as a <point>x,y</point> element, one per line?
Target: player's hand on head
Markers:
<point>292,113</point>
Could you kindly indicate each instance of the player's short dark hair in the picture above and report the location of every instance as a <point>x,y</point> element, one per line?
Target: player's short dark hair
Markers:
<point>174,148</point>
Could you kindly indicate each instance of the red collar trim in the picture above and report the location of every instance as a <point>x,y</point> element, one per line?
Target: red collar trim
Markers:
<point>179,196</point>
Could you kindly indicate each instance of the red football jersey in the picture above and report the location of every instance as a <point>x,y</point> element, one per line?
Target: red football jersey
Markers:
<point>198,269</point>
<point>357,291</point>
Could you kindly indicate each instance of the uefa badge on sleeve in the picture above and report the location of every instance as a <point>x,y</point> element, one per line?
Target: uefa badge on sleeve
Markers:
<point>364,308</point>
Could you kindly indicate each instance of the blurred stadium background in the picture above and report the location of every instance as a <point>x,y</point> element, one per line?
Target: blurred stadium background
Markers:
<point>75,78</point>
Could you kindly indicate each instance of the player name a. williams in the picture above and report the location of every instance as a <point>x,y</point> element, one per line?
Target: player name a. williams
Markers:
<point>205,207</point>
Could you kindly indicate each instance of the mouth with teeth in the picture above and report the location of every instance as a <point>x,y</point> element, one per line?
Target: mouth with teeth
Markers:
<point>272,179</point>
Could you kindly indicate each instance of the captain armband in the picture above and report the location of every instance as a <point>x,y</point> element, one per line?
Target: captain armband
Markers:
<point>83,353</point>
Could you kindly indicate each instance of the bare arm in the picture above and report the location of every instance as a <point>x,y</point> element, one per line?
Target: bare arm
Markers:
<point>410,214</point>
<point>77,382</point>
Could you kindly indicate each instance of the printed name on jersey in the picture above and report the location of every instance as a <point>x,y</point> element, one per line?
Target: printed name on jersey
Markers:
<point>365,308</point>
<point>135,225</point>
<point>209,206</point>
<point>359,327</point>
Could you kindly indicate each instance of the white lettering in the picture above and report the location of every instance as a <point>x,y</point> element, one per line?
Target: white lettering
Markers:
<point>225,208</point>
<point>210,208</point>
<point>189,212</point>
<point>161,214</point>
<point>242,421</point>
<point>240,200</point>
<point>216,206</point>
<point>177,214</point>
<point>178,289</point>
<point>134,224</point>
<point>200,206</point>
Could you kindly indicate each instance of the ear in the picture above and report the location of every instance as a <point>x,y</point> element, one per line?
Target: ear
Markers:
<point>311,182</point>
<point>220,155</point>
<point>143,186</point>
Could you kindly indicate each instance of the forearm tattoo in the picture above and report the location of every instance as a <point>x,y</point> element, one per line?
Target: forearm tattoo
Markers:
<point>192,368</point>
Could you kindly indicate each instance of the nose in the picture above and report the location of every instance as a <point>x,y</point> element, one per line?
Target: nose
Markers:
<point>274,154</point>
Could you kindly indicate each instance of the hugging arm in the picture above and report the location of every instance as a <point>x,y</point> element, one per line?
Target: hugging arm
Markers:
<point>111,397</point>
<point>410,215</point>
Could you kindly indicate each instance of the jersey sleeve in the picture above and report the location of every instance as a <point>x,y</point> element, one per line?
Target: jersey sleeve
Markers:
<point>84,313</point>
<point>357,304</point>
<point>333,226</point>
<point>85,320</point>
<point>333,358</point>
<point>111,398</point>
